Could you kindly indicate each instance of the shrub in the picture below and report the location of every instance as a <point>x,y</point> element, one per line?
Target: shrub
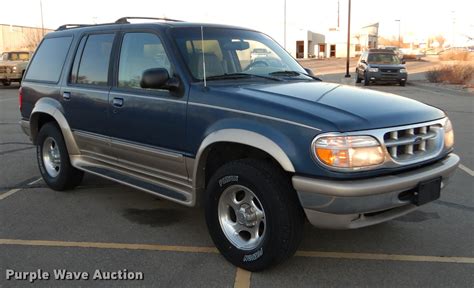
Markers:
<point>452,74</point>
<point>455,56</point>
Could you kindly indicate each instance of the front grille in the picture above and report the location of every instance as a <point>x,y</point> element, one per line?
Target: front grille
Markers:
<point>414,144</point>
<point>389,70</point>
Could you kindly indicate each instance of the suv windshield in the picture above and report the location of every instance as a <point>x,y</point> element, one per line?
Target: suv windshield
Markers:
<point>16,56</point>
<point>227,51</point>
<point>380,58</point>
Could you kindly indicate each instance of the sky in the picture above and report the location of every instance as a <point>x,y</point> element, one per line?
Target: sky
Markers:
<point>418,18</point>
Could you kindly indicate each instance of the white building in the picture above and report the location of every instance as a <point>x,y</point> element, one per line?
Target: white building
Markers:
<point>332,43</point>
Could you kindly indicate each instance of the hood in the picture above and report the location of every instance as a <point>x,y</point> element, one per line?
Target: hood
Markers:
<point>332,106</point>
<point>388,66</point>
<point>11,63</point>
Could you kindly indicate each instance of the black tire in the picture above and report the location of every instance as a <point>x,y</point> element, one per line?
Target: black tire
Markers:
<point>403,83</point>
<point>366,79</point>
<point>284,215</point>
<point>358,79</point>
<point>6,83</point>
<point>68,177</point>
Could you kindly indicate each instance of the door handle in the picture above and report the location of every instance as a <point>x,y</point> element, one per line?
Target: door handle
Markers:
<point>117,102</point>
<point>66,95</point>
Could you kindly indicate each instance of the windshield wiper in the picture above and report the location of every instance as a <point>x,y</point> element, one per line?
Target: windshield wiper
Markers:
<point>293,73</point>
<point>240,76</point>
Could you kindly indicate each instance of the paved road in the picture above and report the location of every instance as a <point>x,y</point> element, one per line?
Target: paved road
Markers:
<point>103,225</point>
<point>338,65</point>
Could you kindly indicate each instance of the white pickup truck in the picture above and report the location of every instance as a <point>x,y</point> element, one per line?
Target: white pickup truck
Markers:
<point>13,65</point>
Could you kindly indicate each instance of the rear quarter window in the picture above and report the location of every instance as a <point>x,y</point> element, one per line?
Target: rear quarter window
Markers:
<point>49,60</point>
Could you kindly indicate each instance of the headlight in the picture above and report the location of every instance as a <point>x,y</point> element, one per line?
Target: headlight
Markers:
<point>14,68</point>
<point>373,69</point>
<point>351,152</point>
<point>448,135</point>
<point>403,70</point>
<point>9,70</point>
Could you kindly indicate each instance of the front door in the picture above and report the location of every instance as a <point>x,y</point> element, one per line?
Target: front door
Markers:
<point>147,126</point>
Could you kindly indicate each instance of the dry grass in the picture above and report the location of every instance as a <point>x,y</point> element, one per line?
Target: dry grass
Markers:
<point>452,74</point>
<point>456,56</point>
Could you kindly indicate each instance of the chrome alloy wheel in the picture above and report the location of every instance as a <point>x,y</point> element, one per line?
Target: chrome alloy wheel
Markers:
<point>241,217</point>
<point>51,157</point>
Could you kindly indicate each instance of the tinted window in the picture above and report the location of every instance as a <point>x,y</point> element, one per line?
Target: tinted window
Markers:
<point>77,58</point>
<point>94,65</point>
<point>140,51</point>
<point>49,60</point>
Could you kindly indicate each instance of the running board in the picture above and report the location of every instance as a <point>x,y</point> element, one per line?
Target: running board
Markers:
<point>135,182</point>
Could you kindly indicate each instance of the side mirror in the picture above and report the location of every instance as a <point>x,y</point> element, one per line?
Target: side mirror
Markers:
<point>158,78</point>
<point>404,61</point>
<point>363,61</point>
<point>309,72</point>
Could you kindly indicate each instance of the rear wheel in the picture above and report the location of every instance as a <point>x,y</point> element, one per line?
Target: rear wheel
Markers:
<point>253,214</point>
<point>53,159</point>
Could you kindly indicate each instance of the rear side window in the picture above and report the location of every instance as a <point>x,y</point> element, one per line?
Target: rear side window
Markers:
<point>94,64</point>
<point>49,60</point>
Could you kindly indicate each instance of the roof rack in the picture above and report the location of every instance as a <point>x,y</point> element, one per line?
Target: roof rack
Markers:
<point>70,26</point>
<point>124,20</point>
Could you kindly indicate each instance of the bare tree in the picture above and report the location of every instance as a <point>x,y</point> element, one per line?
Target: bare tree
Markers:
<point>31,38</point>
<point>440,39</point>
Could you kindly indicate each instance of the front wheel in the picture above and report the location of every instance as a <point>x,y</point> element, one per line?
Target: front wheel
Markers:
<point>366,79</point>
<point>53,159</point>
<point>358,79</point>
<point>403,83</point>
<point>253,214</point>
<point>6,83</point>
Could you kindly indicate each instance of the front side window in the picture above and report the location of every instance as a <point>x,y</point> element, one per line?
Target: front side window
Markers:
<point>49,60</point>
<point>227,51</point>
<point>94,64</point>
<point>140,52</point>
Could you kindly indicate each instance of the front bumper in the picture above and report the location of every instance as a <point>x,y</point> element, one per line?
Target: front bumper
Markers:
<point>387,77</point>
<point>10,76</point>
<point>339,204</point>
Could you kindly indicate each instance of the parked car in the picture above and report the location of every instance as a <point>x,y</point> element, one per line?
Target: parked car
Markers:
<point>261,148</point>
<point>381,65</point>
<point>411,54</point>
<point>395,50</point>
<point>259,53</point>
<point>12,66</point>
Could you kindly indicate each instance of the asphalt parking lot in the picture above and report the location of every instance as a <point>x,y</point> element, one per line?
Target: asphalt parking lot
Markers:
<point>106,226</point>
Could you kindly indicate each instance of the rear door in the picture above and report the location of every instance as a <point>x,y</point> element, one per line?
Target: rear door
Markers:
<point>147,126</point>
<point>86,94</point>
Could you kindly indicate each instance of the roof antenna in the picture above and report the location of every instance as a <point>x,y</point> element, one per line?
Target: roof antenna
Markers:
<point>203,58</point>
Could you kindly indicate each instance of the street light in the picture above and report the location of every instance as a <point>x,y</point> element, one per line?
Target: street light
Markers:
<point>399,42</point>
<point>284,25</point>
<point>42,23</point>
<point>348,41</point>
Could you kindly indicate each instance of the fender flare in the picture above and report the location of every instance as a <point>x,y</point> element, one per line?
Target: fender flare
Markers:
<point>239,136</point>
<point>53,108</point>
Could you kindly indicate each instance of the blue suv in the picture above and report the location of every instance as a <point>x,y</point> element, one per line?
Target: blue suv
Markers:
<point>381,65</point>
<point>182,111</point>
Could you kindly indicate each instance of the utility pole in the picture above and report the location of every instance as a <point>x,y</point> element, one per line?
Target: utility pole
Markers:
<point>338,15</point>
<point>284,24</point>
<point>42,23</point>
<point>399,39</point>
<point>348,41</point>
